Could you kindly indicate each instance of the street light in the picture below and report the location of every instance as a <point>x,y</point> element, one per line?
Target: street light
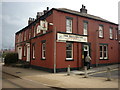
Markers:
<point>54,47</point>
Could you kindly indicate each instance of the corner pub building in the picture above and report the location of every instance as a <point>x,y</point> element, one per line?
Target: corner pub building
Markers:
<point>60,37</point>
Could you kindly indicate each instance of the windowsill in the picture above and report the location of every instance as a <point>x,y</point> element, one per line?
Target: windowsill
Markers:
<point>43,58</point>
<point>101,37</point>
<point>69,59</point>
<point>33,58</point>
<point>111,38</point>
<point>103,59</point>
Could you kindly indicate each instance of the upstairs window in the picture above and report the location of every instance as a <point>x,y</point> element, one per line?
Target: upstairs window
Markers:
<point>85,28</point>
<point>111,32</point>
<point>69,25</point>
<point>34,31</point>
<point>100,31</point>
<point>69,51</point>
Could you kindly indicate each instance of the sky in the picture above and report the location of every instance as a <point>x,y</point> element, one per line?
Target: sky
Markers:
<point>15,13</point>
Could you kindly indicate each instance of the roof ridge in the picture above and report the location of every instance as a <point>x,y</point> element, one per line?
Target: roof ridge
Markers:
<point>84,14</point>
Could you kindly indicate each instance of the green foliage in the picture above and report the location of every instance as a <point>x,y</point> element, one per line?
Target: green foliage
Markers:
<point>11,58</point>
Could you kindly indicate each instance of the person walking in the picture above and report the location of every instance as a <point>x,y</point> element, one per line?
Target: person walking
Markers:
<point>87,61</point>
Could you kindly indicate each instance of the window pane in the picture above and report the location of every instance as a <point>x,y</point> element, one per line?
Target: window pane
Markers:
<point>43,50</point>
<point>69,54</point>
<point>100,31</point>
<point>105,48</point>
<point>85,29</point>
<point>68,50</point>
<point>100,48</point>
<point>69,46</point>
<point>68,25</point>
<point>101,54</point>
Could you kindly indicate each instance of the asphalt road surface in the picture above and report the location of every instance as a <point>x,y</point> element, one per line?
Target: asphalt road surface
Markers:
<point>114,74</point>
<point>9,81</point>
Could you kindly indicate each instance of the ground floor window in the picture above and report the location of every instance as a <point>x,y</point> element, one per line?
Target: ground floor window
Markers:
<point>43,50</point>
<point>69,51</point>
<point>33,51</point>
<point>103,51</point>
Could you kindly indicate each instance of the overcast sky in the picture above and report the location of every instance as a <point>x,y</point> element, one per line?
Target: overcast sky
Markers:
<point>15,13</point>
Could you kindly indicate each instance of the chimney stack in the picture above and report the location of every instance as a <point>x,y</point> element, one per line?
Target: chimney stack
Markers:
<point>30,20</point>
<point>45,11</point>
<point>39,14</point>
<point>83,9</point>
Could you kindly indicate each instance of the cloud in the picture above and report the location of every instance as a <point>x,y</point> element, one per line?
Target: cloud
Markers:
<point>12,20</point>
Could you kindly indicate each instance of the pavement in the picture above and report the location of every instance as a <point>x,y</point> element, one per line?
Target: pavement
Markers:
<point>62,80</point>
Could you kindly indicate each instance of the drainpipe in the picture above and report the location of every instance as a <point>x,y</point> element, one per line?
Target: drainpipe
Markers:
<point>55,50</point>
<point>54,47</point>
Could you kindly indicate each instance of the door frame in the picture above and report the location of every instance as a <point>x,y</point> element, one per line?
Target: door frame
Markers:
<point>89,47</point>
<point>28,53</point>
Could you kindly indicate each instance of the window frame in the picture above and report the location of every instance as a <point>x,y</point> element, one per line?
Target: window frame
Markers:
<point>33,51</point>
<point>111,33</point>
<point>43,51</point>
<point>69,59</point>
<point>69,26</point>
<point>103,52</point>
<point>85,30</point>
<point>101,31</point>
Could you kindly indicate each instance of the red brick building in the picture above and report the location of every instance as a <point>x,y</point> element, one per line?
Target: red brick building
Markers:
<point>60,37</point>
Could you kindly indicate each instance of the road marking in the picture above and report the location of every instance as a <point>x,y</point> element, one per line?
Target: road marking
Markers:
<point>103,71</point>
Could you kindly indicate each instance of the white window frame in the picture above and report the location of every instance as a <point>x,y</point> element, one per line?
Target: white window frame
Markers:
<point>106,52</point>
<point>69,25</point>
<point>69,50</point>
<point>33,51</point>
<point>43,51</point>
<point>85,28</point>
<point>100,31</point>
<point>111,33</point>
<point>103,51</point>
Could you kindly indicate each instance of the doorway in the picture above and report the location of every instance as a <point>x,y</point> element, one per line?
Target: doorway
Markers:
<point>85,51</point>
<point>28,53</point>
<point>19,50</point>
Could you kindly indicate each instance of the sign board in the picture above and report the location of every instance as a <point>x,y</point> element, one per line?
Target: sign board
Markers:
<point>44,25</point>
<point>71,37</point>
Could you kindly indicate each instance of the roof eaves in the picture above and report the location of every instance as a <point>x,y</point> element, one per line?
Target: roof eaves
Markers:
<point>84,15</point>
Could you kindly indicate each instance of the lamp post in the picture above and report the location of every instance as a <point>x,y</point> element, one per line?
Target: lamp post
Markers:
<point>54,47</point>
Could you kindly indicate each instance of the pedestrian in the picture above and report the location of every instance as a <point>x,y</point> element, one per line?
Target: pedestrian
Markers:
<point>87,61</point>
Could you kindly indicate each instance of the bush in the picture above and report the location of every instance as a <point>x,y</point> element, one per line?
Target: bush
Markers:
<point>11,58</point>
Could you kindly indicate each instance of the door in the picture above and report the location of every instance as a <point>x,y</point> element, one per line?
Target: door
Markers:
<point>19,53</point>
<point>28,53</point>
<point>85,51</point>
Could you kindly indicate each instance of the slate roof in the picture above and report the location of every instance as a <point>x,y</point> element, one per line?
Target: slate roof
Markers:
<point>83,15</point>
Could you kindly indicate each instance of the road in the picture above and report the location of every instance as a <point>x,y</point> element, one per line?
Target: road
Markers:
<point>114,74</point>
<point>9,81</point>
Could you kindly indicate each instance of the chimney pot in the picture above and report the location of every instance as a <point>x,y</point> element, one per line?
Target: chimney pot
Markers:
<point>47,8</point>
<point>83,10</point>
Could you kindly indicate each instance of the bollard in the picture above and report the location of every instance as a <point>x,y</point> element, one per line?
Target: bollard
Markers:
<point>86,75</point>
<point>108,74</point>
<point>68,70</point>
